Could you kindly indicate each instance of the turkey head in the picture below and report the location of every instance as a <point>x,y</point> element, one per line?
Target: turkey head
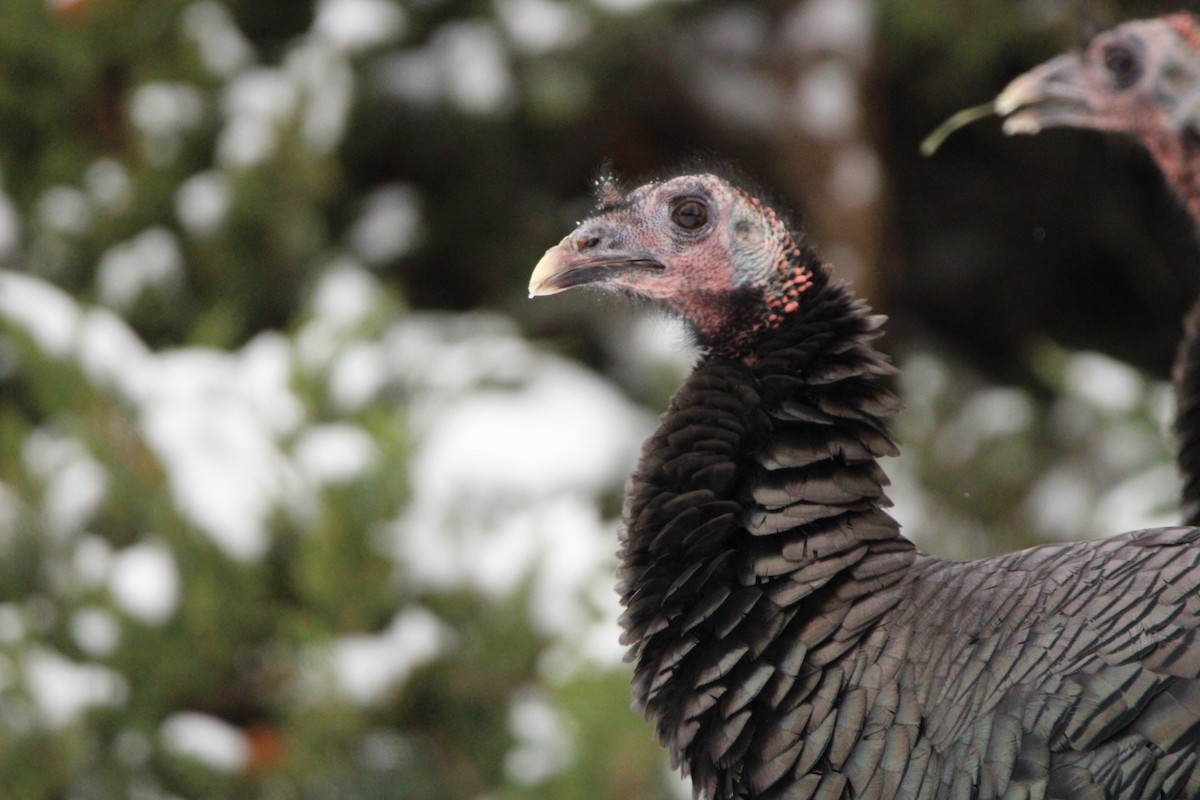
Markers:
<point>1141,78</point>
<point>699,246</point>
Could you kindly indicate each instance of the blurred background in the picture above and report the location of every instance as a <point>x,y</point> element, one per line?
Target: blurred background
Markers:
<point>300,495</point>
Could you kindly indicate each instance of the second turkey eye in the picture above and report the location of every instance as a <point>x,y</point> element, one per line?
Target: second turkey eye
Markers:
<point>690,214</point>
<point>1122,65</point>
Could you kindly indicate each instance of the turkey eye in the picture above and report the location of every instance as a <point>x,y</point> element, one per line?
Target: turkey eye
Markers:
<point>690,215</point>
<point>1122,65</point>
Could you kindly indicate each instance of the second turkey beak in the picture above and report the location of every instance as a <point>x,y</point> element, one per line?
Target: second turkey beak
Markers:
<point>565,267</point>
<point>1047,96</point>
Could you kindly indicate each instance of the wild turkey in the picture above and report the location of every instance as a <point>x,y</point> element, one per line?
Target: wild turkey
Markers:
<point>788,641</point>
<point>1141,78</point>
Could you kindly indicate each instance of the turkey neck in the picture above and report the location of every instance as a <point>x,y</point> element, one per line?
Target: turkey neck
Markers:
<point>1179,159</point>
<point>1186,377</point>
<point>1178,156</point>
<point>756,552</point>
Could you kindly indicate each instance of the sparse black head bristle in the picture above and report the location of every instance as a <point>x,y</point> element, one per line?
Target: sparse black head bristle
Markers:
<point>609,192</point>
<point>734,175</point>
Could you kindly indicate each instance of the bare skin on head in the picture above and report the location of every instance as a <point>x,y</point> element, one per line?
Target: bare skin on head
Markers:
<point>697,246</point>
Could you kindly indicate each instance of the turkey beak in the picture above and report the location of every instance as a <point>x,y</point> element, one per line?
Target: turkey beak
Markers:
<point>1047,96</point>
<point>567,265</point>
<point>552,264</point>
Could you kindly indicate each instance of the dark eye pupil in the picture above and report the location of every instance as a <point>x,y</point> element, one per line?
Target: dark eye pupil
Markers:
<point>690,215</point>
<point>1122,65</point>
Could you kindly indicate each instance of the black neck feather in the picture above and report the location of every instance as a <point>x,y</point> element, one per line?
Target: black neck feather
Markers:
<point>1183,173</point>
<point>1187,415</point>
<point>755,530</point>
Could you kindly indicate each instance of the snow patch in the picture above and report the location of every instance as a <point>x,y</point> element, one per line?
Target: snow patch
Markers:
<point>841,27</point>
<point>316,345</point>
<point>538,27</point>
<point>389,224</point>
<point>624,7</point>
<point>225,470</point>
<point>446,355</point>
<point>202,202</point>
<point>109,351</point>
<point>66,210</point>
<point>988,414</point>
<point>529,441</point>
<point>738,94</point>
<point>254,103</point>
<point>576,560</point>
<point>505,482</point>
<point>359,24</point>
<point>415,76</point>
<point>213,420</point>
<point>1104,383</point>
<point>1061,503</point>
<point>164,112</point>
<point>345,295</point>
<point>262,93</point>
<point>144,582</point>
<point>109,185</point>
<point>651,350</point>
<point>162,109</point>
<point>263,373</point>
<point>150,260</point>
<point>465,63</point>
<point>1125,447</point>
<point>74,483</point>
<point>326,81</point>
<point>207,739</point>
<point>910,504</point>
<point>477,74</point>
<point>367,667</point>
<point>544,745</point>
<point>343,300</point>
<point>224,51</point>
<point>96,631</point>
<point>245,142</point>
<point>508,545</point>
<point>1146,500</point>
<point>826,101</point>
<point>1160,404</point>
<point>357,376</point>
<point>62,689</point>
<point>335,453</point>
<point>91,561</point>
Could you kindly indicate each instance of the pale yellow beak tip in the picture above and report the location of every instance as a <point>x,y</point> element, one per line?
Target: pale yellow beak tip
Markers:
<point>1009,104</point>
<point>1013,97</point>
<point>546,268</point>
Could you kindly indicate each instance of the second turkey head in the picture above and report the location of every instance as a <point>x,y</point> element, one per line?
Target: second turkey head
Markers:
<point>1141,77</point>
<point>697,245</point>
